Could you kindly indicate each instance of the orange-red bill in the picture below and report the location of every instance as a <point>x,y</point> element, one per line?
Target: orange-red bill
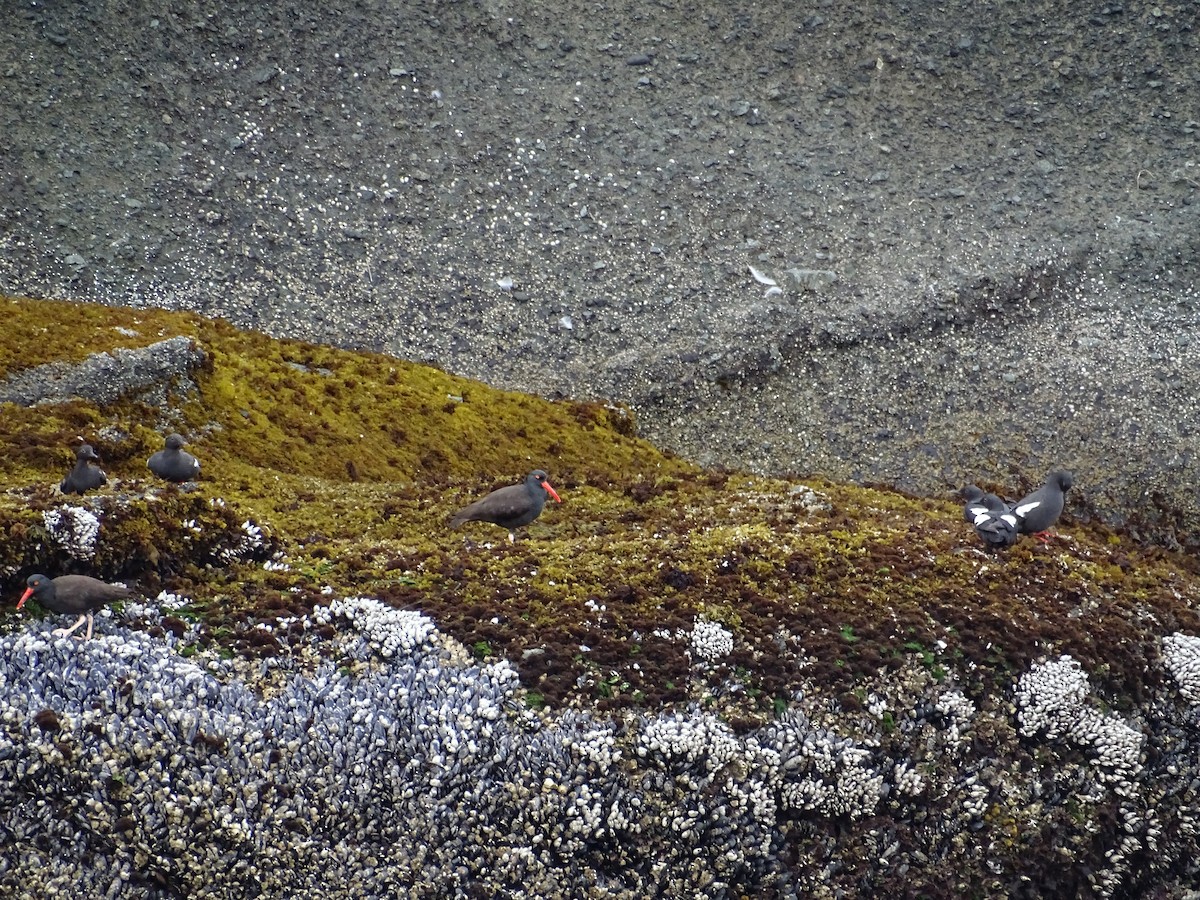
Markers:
<point>25,596</point>
<point>553,493</point>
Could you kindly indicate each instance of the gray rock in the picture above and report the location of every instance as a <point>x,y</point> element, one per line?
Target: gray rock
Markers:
<point>103,378</point>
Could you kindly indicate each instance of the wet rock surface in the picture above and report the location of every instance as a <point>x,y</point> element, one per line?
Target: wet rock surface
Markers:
<point>982,229</point>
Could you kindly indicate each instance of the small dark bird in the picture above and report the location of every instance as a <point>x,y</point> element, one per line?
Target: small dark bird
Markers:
<point>74,594</point>
<point>1041,509</point>
<point>510,507</point>
<point>994,520</point>
<point>86,475</point>
<point>173,463</point>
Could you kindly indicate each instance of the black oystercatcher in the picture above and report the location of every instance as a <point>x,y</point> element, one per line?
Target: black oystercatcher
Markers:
<point>994,520</point>
<point>173,463</point>
<point>510,507</point>
<point>86,475</point>
<point>74,594</point>
<point>1041,509</point>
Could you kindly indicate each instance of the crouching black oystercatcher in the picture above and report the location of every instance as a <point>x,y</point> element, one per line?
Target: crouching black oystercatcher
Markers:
<point>173,463</point>
<point>510,507</point>
<point>1041,509</point>
<point>86,475</point>
<point>994,520</point>
<point>74,594</point>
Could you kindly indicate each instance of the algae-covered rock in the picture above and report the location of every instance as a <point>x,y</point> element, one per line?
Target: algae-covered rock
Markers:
<point>104,378</point>
<point>676,683</point>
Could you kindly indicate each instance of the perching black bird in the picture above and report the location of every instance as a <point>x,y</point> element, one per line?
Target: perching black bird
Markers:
<point>173,463</point>
<point>510,507</point>
<point>86,475</point>
<point>994,520</point>
<point>1041,509</point>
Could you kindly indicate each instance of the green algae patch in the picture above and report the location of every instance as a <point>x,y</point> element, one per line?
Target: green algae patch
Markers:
<point>341,470</point>
<point>44,331</point>
<point>297,408</point>
<point>304,409</point>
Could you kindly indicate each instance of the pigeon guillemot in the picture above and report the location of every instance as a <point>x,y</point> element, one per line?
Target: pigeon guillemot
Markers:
<point>510,507</point>
<point>173,463</point>
<point>75,594</point>
<point>1041,509</point>
<point>994,520</point>
<point>86,475</point>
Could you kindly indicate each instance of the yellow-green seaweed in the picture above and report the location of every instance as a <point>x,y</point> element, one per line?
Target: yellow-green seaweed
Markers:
<point>352,462</point>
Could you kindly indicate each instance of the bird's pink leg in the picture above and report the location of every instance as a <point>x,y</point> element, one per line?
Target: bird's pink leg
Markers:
<point>63,632</point>
<point>89,631</point>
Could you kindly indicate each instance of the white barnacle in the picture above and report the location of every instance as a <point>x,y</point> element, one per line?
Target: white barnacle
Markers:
<point>703,739</point>
<point>249,541</point>
<point>389,631</point>
<point>74,529</point>
<point>908,780</point>
<point>710,641</point>
<point>959,711</point>
<point>1181,655</point>
<point>1052,695</point>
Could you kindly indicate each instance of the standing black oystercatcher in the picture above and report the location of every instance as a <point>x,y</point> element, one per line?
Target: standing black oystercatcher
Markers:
<point>1041,509</point>
<point>510,507</point>
<point>994,520</point>
<point>86,475</point>
<point>74,594</point>
<point>173,463</point>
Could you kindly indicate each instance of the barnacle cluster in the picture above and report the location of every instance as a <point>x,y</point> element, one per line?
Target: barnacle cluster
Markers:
<point>387,630</point>
<point>1181,655</point>
<point>710,641</point>
<point>1051,698</point>
<point>74,529</point>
